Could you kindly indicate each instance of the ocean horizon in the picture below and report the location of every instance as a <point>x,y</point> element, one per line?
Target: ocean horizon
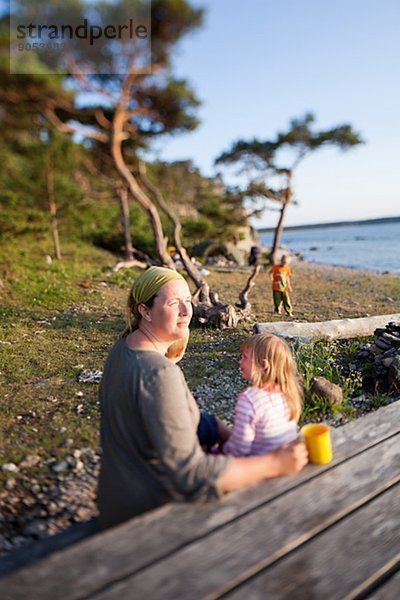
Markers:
<point>369,246</point>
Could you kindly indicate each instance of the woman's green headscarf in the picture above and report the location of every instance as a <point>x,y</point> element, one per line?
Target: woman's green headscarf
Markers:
<point>149,284</point>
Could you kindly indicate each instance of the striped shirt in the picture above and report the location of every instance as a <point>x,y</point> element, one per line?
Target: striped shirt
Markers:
<point>262,422</point>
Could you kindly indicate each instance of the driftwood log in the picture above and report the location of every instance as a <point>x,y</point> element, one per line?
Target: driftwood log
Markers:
<point>331,330</point>
<point>243,302</point>
<point>219,315</point>
<point>129,264</point>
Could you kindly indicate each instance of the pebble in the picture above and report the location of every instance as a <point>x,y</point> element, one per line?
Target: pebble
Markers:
<point>29,461</point>
<point>67,443</point>
<point>61,466</point>
<point>387,361</point>
<point>10,468</point>
<point>10,484</point>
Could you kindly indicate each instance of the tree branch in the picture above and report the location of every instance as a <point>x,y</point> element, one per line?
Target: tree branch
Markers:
<point>68,128</point>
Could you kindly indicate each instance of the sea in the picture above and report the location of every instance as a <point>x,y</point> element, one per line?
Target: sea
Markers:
<point>366,246</point>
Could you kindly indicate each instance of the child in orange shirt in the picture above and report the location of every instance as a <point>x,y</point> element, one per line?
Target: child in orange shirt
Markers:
<point>280,275</point>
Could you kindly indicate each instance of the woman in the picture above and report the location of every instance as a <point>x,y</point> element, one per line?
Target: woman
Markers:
<point>150,450</point>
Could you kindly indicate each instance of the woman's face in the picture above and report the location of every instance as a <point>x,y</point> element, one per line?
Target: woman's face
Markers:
<point>171,311</point>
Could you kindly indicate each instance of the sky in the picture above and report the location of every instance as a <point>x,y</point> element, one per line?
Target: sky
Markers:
<point>256,65</point>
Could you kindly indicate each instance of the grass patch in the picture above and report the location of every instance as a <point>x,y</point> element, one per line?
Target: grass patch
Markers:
<point>336,361</point>
<point>42,402</point>
<point>54,321</point>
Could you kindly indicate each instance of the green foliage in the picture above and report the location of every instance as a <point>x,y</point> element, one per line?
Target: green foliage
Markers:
<point>205,207</point>
<point>329,359</point>
<point>86,198</point>
<point>263,159</point>
<point>264,155</point>
<point>199,229</point>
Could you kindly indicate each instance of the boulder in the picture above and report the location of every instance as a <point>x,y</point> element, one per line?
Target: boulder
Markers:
<point>323,388</point>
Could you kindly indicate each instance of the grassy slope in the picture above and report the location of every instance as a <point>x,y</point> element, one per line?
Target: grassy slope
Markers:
<point>59,318</point>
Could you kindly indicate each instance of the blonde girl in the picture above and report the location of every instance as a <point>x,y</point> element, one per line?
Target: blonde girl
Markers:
<point>267,412</point>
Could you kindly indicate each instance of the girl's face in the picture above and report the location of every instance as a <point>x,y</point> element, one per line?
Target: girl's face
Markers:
<point>246,363</point>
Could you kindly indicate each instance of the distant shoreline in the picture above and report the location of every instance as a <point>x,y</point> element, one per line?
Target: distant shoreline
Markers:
<point>378,221</point>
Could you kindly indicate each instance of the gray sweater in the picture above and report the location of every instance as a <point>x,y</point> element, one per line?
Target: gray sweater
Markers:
<point>150,451</point>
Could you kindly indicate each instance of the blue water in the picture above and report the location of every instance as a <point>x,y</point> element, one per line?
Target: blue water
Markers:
<point>370,247</point>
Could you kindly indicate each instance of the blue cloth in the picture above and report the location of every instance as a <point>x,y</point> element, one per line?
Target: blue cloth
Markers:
<point>207,430</point>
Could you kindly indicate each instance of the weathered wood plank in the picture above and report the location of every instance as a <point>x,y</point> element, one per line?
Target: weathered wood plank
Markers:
<point>370,428</point>
<point>389,590</point>
<point>376,580</point>
<point>263,536</point>
<point>136,544</point>
<point>336,562</point>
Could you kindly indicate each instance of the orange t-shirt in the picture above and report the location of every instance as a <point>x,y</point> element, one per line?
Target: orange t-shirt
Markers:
<point>280,275</point>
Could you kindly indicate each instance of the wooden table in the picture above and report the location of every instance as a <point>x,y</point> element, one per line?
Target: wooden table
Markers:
<point>328,532</point>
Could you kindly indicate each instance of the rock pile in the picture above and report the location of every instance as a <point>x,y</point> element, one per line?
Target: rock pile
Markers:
<point>384,353</point>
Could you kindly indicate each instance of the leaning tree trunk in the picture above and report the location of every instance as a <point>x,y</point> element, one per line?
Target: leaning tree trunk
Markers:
<point>278,234</point>
<point>286,198</point>
<point>126,222</point>
<point>53,209</point>
<point>119,119</point>
<point>202,288</point>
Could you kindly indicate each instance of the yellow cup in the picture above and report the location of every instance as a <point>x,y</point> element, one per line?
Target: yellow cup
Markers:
<point>318,441</point>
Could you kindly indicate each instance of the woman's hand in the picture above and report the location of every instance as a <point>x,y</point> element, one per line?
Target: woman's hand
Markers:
<point>245,470</point>
<point>292,457</point>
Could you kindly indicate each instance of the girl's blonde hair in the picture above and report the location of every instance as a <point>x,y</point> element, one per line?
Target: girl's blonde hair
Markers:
<point>281,368</point>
